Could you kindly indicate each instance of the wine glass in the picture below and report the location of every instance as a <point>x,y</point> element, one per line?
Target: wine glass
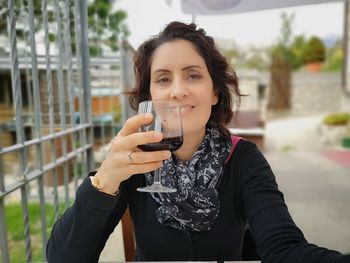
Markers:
<point>167,120</point>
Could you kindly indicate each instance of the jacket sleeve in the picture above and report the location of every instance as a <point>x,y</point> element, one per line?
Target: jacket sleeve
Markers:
<point>82,231</point>
<point>277,237</point>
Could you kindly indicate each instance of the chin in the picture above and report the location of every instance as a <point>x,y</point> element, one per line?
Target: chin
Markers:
<point>193,127</point>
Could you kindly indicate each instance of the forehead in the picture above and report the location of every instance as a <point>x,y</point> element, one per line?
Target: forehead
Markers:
<point>176,53</point>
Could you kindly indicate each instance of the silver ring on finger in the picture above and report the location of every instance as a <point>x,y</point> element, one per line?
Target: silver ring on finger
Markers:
<point>131,160</point>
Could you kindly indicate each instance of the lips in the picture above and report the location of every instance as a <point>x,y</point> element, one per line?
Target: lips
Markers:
<point>186,109</point>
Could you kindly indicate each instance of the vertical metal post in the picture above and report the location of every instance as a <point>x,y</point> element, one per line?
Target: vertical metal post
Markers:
<point>25,211</point>
<point>16,86</point>
<point>15,74</point>
<point>48,69</point>
<point>37,108</point>
<point>78,136</point>
<point>346,47</point>
<point>193,18</point>
<point>126,80</point>
<point>85,60</point>
<point>50,102</point>
<point>70,91</point>
<point>37,120</point>
<point>86,79</point>
<point>62,58</point>
<point>3,232</point>
<point>27,62</point>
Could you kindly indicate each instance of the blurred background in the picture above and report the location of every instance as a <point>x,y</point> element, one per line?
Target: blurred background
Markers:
<point>65,67</point>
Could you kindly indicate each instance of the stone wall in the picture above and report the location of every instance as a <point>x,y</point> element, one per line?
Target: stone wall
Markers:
<point>316,93</point>
<point>312,93</point>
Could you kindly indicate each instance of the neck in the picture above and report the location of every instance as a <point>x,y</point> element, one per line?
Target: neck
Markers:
<point>190,145</point>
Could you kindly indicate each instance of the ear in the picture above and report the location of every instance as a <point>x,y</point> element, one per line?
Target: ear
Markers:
<point>214,98</point>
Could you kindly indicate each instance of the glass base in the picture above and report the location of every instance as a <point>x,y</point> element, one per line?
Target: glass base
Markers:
<point>156,188</point>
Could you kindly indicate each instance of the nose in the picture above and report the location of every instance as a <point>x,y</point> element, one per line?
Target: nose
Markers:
<point>178,90</point>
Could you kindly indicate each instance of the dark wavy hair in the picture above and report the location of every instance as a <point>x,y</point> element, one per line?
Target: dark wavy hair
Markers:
<point>224,77</point>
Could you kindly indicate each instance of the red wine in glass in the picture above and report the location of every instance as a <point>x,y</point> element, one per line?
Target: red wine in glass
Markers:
<point>171,143</point>
<point>167,120</point>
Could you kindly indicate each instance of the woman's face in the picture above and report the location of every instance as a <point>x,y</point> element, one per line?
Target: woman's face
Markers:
<point>179,74</point>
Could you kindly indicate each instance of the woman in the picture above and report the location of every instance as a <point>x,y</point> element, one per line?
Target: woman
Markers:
<point>218,195</point>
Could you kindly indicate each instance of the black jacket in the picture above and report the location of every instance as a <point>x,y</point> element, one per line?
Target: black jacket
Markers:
<point>248,194</point>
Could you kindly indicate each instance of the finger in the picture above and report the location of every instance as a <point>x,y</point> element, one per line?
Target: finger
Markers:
<point>149,157</point>
<point>139,138</point>
<point>145,168</point>
<point>135,139</point>
<point>134,123</point>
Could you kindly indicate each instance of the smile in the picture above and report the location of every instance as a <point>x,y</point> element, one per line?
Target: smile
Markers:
<point>186,109</point>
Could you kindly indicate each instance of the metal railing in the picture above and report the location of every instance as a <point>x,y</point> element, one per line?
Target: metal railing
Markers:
<point>44,151</point>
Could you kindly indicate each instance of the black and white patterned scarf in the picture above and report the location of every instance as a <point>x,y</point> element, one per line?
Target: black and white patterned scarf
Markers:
<point>196,203</point>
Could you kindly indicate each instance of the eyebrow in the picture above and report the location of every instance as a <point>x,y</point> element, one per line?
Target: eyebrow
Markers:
<point>191,67</point>
<point>183,69</point>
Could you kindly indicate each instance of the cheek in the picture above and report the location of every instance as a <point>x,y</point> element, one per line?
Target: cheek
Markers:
<point>151,91</point>
<point>157,94</point>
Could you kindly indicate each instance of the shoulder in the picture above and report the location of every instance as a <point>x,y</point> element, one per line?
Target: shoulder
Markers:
<point>244,158</point>
<point>248,162</point>
<point>245,151</point>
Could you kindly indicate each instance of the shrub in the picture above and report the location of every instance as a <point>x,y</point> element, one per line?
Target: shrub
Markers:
<point>314,50</point>
<point>339,118</point>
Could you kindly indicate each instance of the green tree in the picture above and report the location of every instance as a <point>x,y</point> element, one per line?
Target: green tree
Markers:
<point>282,48</point>
<point>106,27</point>
<point>281,61</point>
<point>314,50</point>
<point>297,48</point>
<point>22,24</point>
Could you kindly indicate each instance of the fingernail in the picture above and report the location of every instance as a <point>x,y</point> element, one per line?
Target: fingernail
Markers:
<point>148,115</point>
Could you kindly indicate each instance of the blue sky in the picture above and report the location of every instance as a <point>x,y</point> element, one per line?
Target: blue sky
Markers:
<point>148,17</point>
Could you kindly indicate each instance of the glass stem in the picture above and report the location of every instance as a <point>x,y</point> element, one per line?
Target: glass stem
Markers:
<point>157,174</point>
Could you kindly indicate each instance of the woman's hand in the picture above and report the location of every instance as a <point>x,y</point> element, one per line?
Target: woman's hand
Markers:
<point>125,159</point>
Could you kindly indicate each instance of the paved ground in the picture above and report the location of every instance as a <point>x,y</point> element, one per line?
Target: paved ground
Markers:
<point>316,189</point>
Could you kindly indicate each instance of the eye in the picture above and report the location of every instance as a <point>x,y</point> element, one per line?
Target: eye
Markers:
<point>194,76</point>
<point>163,80</point>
